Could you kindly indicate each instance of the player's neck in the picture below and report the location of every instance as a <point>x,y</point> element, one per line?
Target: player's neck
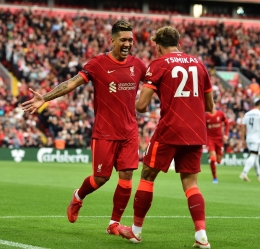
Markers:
<point>174,50</point>
<point>116,58</point>
<point>212,114</point>
<point>169,50</point>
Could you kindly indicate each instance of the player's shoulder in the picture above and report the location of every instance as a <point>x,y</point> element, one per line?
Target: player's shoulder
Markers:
<point>136,62</point>
<point>100,56</point>
<point>220,112</point>
<point>135,59</point>
<point>254,111</point>
<point>157,61</point>
<point>251,111</point>
<point>192,57</point>
<point>96,58</point>
<point>248,113</point>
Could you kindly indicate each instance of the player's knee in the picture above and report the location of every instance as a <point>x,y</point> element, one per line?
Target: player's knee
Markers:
<point>126,174</point>
<point>149,174</point>
<point>213,158</point>
<point>101,180</point>
<point>219,159</point>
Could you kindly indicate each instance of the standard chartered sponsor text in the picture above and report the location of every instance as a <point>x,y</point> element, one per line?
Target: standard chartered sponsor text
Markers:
<point>126,86</point>
<point>46,155</point>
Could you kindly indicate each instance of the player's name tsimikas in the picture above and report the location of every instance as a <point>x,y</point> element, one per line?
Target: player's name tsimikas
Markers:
<point>181,60</point>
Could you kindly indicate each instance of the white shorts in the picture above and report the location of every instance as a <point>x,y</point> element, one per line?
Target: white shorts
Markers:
<point>254,147</point>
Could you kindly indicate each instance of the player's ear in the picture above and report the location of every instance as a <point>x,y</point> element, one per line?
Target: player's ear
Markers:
<point>159,49</point>
<point>179,46</point>
<point>112,40</point>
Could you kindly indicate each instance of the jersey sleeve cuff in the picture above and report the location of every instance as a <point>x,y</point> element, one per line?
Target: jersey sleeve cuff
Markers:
<point>84,76</point>
<point>209,90</point>
<point>150,86</point>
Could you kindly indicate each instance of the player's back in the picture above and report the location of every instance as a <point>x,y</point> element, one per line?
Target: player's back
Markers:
<point>252,122</point>
<point>181,81</point>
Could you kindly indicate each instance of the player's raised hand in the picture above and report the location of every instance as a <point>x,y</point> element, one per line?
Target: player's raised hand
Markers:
<point>32,105</point>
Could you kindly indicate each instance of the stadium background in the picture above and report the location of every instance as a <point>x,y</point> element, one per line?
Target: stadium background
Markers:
<point>43,43</point>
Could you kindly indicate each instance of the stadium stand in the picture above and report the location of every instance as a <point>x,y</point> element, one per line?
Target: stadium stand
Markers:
<point>43,49</point>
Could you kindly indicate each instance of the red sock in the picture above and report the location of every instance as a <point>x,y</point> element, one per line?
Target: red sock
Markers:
<point>87,187</point>
<point>142,201</point>
<point>213,169</point>
<point>196,206</point>
<point>213,166</point>
<point>121,197</point>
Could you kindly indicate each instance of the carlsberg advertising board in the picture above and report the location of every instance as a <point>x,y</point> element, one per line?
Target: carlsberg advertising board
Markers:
<point>46,155</point>
<point>51,155</point>
<point>228,159</point>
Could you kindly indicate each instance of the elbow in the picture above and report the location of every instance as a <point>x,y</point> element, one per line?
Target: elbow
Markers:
<point>210,108</point>
<point>140,108</point>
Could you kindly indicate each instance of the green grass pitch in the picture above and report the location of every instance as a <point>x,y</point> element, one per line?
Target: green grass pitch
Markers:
<point>34,198</point>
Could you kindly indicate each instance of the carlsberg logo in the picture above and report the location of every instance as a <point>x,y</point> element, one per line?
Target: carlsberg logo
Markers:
<point>18,155</point>
<point>45,155</point>
<point>232,160</point>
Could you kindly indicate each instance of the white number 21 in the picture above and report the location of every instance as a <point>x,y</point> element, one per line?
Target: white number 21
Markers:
<point>179,91</point>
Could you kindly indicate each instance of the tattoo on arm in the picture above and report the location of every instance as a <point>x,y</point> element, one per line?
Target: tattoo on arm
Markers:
<point>60,90</point>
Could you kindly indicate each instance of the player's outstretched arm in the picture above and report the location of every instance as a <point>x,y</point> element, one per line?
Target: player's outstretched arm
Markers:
<point>63,88</point>
<point>209,102</point>
<point>144,99</point>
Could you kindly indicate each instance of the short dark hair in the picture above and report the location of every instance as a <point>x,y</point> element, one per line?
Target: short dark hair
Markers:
<point>121,25</point>
<point>166,36</point>
<point>257,102</point>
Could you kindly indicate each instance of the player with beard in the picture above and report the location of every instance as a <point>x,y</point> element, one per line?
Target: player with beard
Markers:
<point>116,76</point>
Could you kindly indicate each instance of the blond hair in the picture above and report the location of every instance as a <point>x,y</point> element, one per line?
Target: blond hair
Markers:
<point>166,36</point>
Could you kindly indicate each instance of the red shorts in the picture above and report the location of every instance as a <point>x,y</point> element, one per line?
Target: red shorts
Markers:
<point>216,145</point>
<point>122,154</point>
<point>187,158</point>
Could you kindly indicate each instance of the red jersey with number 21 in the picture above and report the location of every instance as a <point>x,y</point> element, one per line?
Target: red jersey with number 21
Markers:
<point>180,80</point>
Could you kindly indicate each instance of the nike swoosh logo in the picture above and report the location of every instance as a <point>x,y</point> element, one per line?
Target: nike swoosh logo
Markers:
<point>194,206</point>
<point>111,71</point>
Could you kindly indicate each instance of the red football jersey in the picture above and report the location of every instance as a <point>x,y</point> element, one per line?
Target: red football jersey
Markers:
<point>180,80</point>
<point>214,124</point>
<point>115,86</point>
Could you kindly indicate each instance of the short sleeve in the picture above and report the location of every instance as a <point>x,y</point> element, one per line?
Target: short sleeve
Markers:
<point>88,70</point>
<point>153,75</point>
<point>207,82</point>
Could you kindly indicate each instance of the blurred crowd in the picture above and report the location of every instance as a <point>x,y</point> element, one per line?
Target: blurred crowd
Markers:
<point>43,51</point>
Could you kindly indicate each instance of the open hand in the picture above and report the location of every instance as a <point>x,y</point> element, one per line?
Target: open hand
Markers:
<point>34,104</point>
